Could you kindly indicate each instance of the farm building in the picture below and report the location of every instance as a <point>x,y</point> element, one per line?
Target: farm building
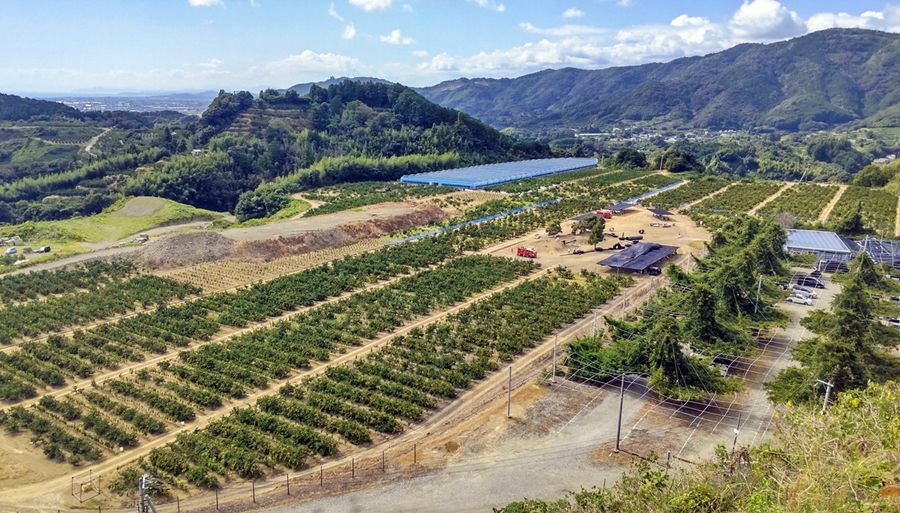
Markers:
<point>639,257</point>
<point>475,177</point>
<point>620,207</point>
<point>661,214</point>
<point>825,245</point>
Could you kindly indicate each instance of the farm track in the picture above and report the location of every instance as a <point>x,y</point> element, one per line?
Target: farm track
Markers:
<point>94,140</point>
<point>114,462</point>
<point>687,206</point>
<point>763,203</point>
<point>826,213</point>
<point>473,400</point>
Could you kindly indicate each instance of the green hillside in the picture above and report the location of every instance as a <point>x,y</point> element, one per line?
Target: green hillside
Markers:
<point>818,80</point>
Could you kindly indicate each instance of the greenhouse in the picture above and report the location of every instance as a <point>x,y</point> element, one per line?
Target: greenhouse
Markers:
<point>475,177</point>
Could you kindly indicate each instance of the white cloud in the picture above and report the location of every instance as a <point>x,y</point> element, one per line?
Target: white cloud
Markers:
<point>310,61</point>
<point>333,13</point>
<point>625,3</point>
<point>765,20</point>
<point>372,5</point>
<point>420,53</point>
<point>563,30</point>
<point>688,21</point>
<point>212,63</point>
<point>490,4</point>
<point>573,12</point>
<point>204,3</point>
<point>349,32</point>
<point>396,38</point>
<point>888,20</point>
<point>407,8</point>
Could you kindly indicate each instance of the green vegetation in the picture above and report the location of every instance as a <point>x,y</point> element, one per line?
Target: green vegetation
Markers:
<point>24,287</point>
<point>803,202</point>
<point>837,461</point>
<point>714,308</point>
<point>353,195</point>
<point>850,348</point>
<point>532,184</point>
<point>694,190</point>
<point>879,209</point>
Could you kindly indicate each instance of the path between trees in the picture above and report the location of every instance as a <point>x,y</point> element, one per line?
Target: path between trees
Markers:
<point>825,214</point>
<point>687,206</point>
<point>779,192</point>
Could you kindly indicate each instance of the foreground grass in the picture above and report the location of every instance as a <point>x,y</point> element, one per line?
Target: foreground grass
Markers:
<point>846,460</point>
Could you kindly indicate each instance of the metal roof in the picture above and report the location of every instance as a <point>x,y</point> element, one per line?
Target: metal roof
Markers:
<point>622,205</point>
<point>659,211</point>
<point>494,174</point>
<point>639,256</point>
<point>816,240</point>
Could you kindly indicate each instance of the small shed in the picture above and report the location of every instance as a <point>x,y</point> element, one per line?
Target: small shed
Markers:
<point>620,207</point>
<point>661,214</point>
<point>639,257</point>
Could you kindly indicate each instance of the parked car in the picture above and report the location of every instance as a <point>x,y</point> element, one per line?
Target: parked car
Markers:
<point>43,249</point>
<point>809,281</point>
<point>800,300</point>
<point>800,289</point>
<point>654,271</point>
<point>10,251</point>
<point>894,322</point>
<point>801,293</point>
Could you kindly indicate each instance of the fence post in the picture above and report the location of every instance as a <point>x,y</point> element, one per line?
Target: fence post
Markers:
<point>217,499</point>
<point>321,475</point>
<point>352,468</point>
<point>178,503</point>
<point>382,461</point>
<point>287,479</point>
<point>253,484</point>
<point>415,456</point>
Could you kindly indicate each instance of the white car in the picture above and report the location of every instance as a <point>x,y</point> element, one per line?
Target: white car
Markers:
<point>800,300</point>
<point>894,322</point>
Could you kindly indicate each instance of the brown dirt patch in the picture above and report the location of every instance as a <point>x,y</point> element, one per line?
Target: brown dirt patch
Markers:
<point>348,233</point>
<point>185,249</point>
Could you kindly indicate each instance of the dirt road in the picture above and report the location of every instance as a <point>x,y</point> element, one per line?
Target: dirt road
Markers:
<point>828,208</point>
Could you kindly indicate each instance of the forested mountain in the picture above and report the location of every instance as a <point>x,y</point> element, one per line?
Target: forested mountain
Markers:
<point>818,80</point>
<point>17,108</point>
<point>303,88</point>
<point>250,141</point>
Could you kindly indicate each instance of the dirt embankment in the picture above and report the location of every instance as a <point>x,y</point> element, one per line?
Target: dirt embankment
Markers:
<point>199,247</point>
<point>348,233</point>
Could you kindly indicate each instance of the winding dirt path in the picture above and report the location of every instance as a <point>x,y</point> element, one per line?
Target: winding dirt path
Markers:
<point>779,192</point>
<point>823,216</point>
<point>93,141</point>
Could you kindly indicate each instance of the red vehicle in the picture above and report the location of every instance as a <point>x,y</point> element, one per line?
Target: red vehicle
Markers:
<point>605,213</point>
<point>526,252</point>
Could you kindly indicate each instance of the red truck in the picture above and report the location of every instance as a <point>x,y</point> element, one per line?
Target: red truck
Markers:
<point>526,252</point>
<point>606,214</point>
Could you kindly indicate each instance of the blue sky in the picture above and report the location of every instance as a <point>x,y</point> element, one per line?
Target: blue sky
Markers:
<point>65,45</point>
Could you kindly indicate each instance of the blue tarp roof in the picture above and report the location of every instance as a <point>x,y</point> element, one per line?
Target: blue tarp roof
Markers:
<point>817,241</point>
<point>659,211</point>
<point>639,257</point>
<point>493,174</point>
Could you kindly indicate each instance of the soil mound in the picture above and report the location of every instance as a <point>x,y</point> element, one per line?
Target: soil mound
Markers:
<point>185,249</point>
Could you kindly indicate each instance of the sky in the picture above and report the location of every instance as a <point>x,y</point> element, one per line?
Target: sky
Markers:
<point>65,46</point>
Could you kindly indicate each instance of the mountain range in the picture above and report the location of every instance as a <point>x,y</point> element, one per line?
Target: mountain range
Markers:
<point>815,81</point>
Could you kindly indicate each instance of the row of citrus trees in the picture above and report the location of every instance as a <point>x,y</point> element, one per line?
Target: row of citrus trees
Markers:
<point>803,201</point>
<point>879,208</point>
<point>206,377</point>
<point>78,308</point>
<point>692,191</point>
<point>19,288</point>
<point>383,392</point>
<point>352,195</point>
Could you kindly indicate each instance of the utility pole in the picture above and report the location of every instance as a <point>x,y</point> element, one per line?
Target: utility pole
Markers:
<point>145,504</point>
<point>509,393</point>
<point>621,402</point>
<point>737,431</point>
<point>553,375</point>
<point>828,387</point>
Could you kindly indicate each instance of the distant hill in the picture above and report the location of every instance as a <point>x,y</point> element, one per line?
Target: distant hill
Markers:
<point>17,108</point>
<point>818,80</point>
<point>303,89</point>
